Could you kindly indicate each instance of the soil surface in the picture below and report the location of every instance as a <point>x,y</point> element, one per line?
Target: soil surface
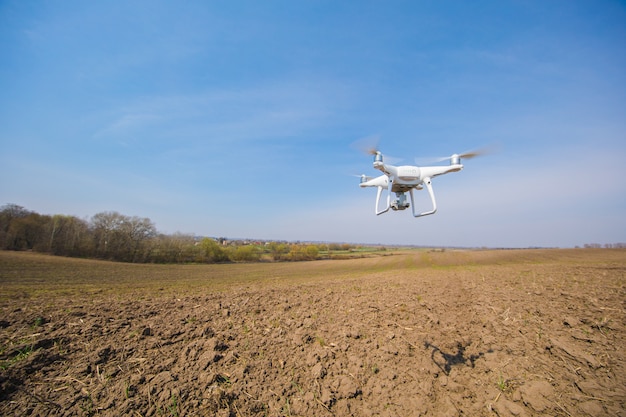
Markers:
<point>475,333</point>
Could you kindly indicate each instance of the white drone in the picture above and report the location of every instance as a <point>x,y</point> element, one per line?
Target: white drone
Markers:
<point>406,178</point>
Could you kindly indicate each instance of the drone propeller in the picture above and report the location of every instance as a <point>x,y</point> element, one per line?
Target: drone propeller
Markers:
<point>473,154</point>
<point>363,177</point>
<point>465,155</point>
<point>368,145</point>
<point>367,142</point>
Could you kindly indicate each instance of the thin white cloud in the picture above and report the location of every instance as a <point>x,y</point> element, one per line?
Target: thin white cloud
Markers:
<point>274,111</point>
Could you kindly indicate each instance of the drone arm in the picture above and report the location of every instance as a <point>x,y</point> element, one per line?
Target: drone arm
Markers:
<point>431,172</point>
<point>432,198</point>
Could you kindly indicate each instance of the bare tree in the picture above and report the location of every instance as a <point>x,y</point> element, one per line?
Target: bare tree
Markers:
<point>69,236</point>
<point>121,237</point>
<point>106,226</point>
<point>137,231</point>
<point>9,213</point>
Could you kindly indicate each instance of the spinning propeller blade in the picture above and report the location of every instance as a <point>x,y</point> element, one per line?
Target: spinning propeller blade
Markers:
<point>465,155</point>
<point>367,145</point>
<point>363,177</point>
<point>472,154</point>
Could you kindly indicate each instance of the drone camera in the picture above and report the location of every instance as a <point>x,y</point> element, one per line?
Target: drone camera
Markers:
<point>400,203</point>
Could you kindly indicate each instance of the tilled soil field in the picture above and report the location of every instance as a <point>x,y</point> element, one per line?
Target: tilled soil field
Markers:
<point>476,333</point>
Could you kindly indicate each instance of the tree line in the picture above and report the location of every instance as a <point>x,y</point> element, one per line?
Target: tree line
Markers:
<point>606,245</point>
<point>113,236</point>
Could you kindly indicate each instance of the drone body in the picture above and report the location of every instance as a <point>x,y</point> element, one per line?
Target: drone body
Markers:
<point>407,178</point>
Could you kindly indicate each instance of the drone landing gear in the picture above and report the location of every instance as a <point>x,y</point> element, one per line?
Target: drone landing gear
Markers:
<point>400,202</point>
<point>432,199</point>
<point>378,194</point>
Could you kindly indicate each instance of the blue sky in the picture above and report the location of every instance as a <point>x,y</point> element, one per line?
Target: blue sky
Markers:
<point>239,118</point>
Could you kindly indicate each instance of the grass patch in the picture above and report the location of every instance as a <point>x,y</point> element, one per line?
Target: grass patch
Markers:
<point>19,356</point>
<point>502,384</point>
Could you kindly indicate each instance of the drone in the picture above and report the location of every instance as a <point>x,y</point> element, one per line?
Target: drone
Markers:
<point>407,178</point>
